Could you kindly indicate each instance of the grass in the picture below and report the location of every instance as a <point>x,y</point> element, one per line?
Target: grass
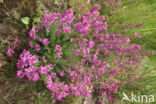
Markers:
<point>133,12</point>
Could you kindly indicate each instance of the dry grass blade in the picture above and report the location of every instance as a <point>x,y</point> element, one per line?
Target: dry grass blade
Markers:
<point>1,1</point>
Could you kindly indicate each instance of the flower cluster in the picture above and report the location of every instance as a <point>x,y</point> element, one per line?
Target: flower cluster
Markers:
<point>59,49</point>
<point>26,66</point>
<point>44,41</point>
<point>10,52</point>
<point>91,22</point>
<point>26,59</point>
<point>12,45</point>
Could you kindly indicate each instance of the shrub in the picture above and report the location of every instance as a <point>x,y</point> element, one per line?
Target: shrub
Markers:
<point>75,56</point>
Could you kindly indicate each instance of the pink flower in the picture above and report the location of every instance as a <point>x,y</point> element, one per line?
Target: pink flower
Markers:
<point>44,59</point>
<point>138,47</point>
<point>15,42</point>
<point>37,47</point>
<point>35,77</point>
<point>31,74</point>
<point>77,52</point>
<point>91,44</point>
<point>67,17</point>
<point>53,75</point>
<point>59,54</point>
<point>41,26</point>
<point>80,70</point>
<point>128,40</point>
<point>97,7</point>
<point>105,26</point>
<point>58,48</point>
<point>66,29</point>
<point>101,71</point>
<point>54,16</point>
<point>114,71</point>
<point>45,69</point>
<point>30,44</point>
<point>20,74</point>
<point>32,34</point>
<point>62,73</point>
<point>72,74</point>
<point>26,59</point>
<point>44,41</point>
<point>46,19</point>
<point>83,27</point>
<point>10,52</point>
<point>136,35</point>
<point>153,52</point>
<point>36,28</point>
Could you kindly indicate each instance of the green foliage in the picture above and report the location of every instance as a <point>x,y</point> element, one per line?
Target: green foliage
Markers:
<point>25,20</point>
<point>132,12</point>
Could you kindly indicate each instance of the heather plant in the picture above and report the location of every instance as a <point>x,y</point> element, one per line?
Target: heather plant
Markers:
<point>76,56</point>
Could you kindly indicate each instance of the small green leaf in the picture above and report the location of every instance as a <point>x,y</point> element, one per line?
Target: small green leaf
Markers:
<point>25,20</point>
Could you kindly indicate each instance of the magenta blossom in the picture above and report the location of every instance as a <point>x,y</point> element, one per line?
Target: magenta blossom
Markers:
<point>91,44</point>
<point>44,59</point>
<point>66,29</point>
<point>62,73</point>
<point>26,59</point>
<point>128,40</point>
<point>30,44</point>
<point>77,52</point>
<point>35,77</point>
<point>59,54</point>
<point>20,74</point>
<point>32,34</point>
<point>37,47</point>
<point>114,71</point>
<point>58,48</point>
<point>44,41</point>
<point>15,42</point>
<point>10,52</point>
